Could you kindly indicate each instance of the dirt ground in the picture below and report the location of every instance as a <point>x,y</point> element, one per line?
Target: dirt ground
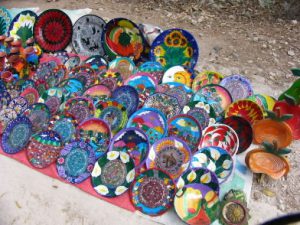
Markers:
<point>263,48</point>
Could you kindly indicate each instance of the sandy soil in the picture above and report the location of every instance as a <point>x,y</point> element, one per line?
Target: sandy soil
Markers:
<point>262,49</point>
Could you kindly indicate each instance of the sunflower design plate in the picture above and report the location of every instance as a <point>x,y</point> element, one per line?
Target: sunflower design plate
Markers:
<point>111,79</point>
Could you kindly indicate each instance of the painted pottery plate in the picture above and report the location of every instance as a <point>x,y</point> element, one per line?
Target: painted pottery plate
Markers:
<point>6,116</point>
<point>87,32</point>
<point>247,109</point>
<point>151,121</point>
<point>99,91</point>
<point>238,86</point>
<point>234,212</point>
<point>199,176</point>
<point>53,98</point>
<point>152,192</point>
<point>171,155</point>
<point>76,161</point>
<point>19,104</point>
<point>5,20</point>
<point>97,133</point>
<point>16,135</point>
<point>175,47</point>
<point>57,75</point>
<point>81,108</point>
<point>178,74</point>
<point>215,159</point>
<point>216,96</point>
<point>113,173</point>
<point>154,68</point>
<point>122,37</point>
<point>197,204</point>
<point>205,78</point>
<point>44,148</point>
<point>63,56</point>
<point>187,129</point>
<point>167,104</point>
<point>111,79</point>
<point>243,130</point>
<point>85,78</point>
<point>31,95</point>
<point>5,98</point>
<point>43,69</point>
<point>124,65</point>
<point>71,87</point>
<point>266,102</point>
<point>222,136</point>
<point>128,97</point>
<point>113,113</point>
<point>21,27</point>
<point>65,126</point>
<point>96,62</point>
<point>132,141</point>
<point>72,62</point>
<point>53,30</point>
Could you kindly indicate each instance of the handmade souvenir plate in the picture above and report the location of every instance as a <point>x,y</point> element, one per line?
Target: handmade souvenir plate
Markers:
<point>124,65</point>
<point>206,77</point>
<point>154,68</point>
<point>199,176</point>
<point>111,79</point>
<point>16,135</point>
<point>65,126</point>
<point>100,91</point>
<point>222,136</point>
<point>43,70</point>
<point>41,86</point>
<point>121,37</point>
<point>247,109</point>
<point>81,108</point>
<point>216,159</point>
<point>87,32</point>
<point>238,86</point>
<point>76,161</point>
<point>5,98</point>
<point>96,62</point>
<point>171,155</point>
<point>39,115</point>
<point>53,98</point>
<point>113,113</point>
<point>264,101</point>
<point>178,74</point>
<point>63,56</point>
<point>21,27</point>
<point>5,20</point>
<point>197,204</point>
<point>71,87</point>
<point>177,90</point>
<point>132,141</point>
<point>31,95</point>
<point>216,96</point>
<point>19,104</point>
<point>201,111</point>
<point>72,62</point>
<point>113,173</point>
<point>152,192</point>
<point>6,116</point>
<point>165,103</point>
<point>97,133</point>
<point>187,129</point>
<point>175,47</point>
<point>85,74</point>
<point>243,130</point>
<point>53,30</point>
<point>57,75</point>
<point>234,212</point>
<point>44,148</point>
<point>128,97</point>
<point>151,121</point>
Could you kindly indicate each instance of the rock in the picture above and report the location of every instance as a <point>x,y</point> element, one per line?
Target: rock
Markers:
<point>264,46</point>
<point>256,39</point>
<point>268,192</point>
<point>294,22</point>
<point>291,53</point>
<point>250,61</point>
<point>256,195</point>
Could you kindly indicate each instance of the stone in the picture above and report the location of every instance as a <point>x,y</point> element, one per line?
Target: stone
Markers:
<point>291,53</point>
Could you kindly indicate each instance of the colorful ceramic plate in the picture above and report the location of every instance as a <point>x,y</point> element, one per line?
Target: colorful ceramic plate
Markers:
<point>199,176</point>
<point>71,87</point>
<point>215,159</point>
<point>76,162</point>
<point>205,78</point>
<point>99,91</point>
<point>222,136</point>
<point>81,108</point>
<point>113,173</point>
<point>243,130</point>
<point>178,74</point>
<point>5,98</point>
<point>53,98</point>
<point>151,121</point>
<point>121,37</point>
<point>165,103</point>
<point>63,56</point>
<point>72,62</point>
<point>87,78</point>
<point>124,65</point>
<point>154,68</point>
<point>19,104</point>
<point>96,62</point>
<point>5,20</point>
<point>247,109</point>
<point>39,115</point>
<point>16,135</point>
<point>65,126</point>
<point>152,192</point>
<point>21,27</point>
<point>87,32</point>
<point>6,116</point>
<point>197,204</point>
<point>171,155</point>
<point>57,75</point>
<point>266,102</point>
<point>113,113</point>
<point>31,95</point>
<point>216,96</point>
<point>175,47</point>
<point>111,79</point>
<point>187,129</point>
<point>44,148</point>
<point>238,86</point>
<point>97,133</point>
<point>132,141</point>
<point>53,30</point>
<point>128,97</point>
